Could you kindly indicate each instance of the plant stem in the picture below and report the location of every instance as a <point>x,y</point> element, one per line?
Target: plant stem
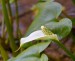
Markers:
<point>3,53</point>
<point>3,28</point>
<point>9,27</point>
<point>10,13</point>
<point>65,49</point>
<point>17,17</point>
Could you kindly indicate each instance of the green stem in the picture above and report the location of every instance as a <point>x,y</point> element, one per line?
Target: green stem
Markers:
<point>17,17</point>
<point>8,25</point>
<point>65,49</point>
<point>10,13</point>
<point>3,53</point>
<point>3,28</point>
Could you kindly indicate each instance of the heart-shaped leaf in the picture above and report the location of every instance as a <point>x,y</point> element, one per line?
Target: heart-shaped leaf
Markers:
<point>31,52</point>
<point>26,59</point>
<point>47,11</point>
<point>61,28</point>
<point>42,58</point>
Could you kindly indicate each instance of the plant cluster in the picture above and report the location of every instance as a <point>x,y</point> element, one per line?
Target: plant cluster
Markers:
<point>49,28</point>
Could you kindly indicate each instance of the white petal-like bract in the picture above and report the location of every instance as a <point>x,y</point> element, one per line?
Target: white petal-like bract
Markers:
<point>33,36</point>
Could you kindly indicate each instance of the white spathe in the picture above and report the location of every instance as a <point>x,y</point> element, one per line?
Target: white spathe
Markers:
<point>37,35</point>
<point>33,36</point>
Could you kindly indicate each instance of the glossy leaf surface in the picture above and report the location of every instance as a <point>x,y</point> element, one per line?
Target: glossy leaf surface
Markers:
<point>47,11</point>
<point>32,53</point>
<point>61,28</point>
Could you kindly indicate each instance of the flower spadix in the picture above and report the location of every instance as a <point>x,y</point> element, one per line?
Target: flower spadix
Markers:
<point>43,34</point>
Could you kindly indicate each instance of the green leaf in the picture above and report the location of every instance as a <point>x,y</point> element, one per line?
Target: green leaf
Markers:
<point>44,58</point>
<point>33,51</point>
<point>12,59</point>
<point>26,59</point>
<point>47,12</point>
<point>61,28</point>
<point>29,59</point>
